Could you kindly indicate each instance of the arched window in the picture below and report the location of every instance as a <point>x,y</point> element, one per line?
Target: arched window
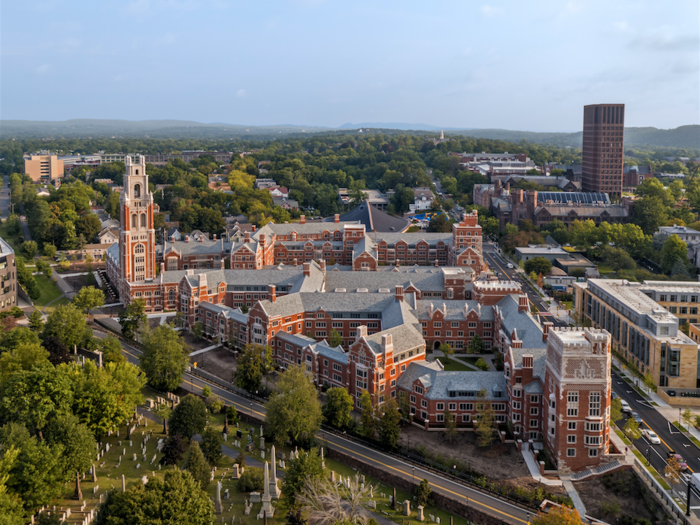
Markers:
<point>139,248</point>
<point>171,295</point>
<point>133,220</point>
<point>137,190</point>
<point>143,220</point>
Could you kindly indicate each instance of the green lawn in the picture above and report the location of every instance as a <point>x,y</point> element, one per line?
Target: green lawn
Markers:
<point>49,290</point>
<point>453,366</point>
<point>412,229</point>
<point>58,302</point>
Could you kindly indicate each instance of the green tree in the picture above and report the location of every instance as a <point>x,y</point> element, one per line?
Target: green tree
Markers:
<point>30,249</point>
<point>632,429</point>
<point>36,321</point>
<point>673,250</point>
<point>424,494</point>
<point>294,411</point>
<point>439,224</point>
<point>252,480</point>
<point>198,466</point>
<point>390,424</point>
<point>615,410</point>
<point>49,251</point>
<point>476,345</point>
<point>177,499</point>
<point>450,426</point>
<point>253,362</point>
<point>211,445</point>
<point>89,298</point>
<point>338,407</point>
<point>447,350</point>
<point>189,417</point>
<point>10,505</point>
<point>688,417</point>
<point>336,339</point>
<point>538,265</point>
<point>232,415</point>
<point>173,450</point>
<point>23,357</point>
<point>368,417</point>
<point>132,317</point>
<point>77,440</point>
<point>111,350</point>
<point>558,516</point>
<point>44,267</point>
<point>482,365</point>
<point>67,324</point>
<point>164,357</point>
<point>650,213</point>
<point>307,467</point>
<point>198,331</point>
<point>485,423</point>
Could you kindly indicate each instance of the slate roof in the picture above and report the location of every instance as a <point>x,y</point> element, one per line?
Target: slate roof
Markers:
<point>539,357</point>
<point>583,211</point>
<point>528,329</point>
<point>440,383</point>
<point>386,280</point>
<point>295,339</point>
<point>455,309</point>
<point>336,354</point>
<point>404,337</point>
<point>373,219</point>
<point>230,313</point>
<point>413,238</point>
<point>193,247</point>
<point>310,227</point>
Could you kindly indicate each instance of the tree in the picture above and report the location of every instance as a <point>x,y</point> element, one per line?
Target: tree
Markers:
<point>439,224</point>
<point>673,250</point>
<point>232,415</point>
<point>294,411</point>
<point>338,407</point>
<point>632,429</point>
<point>485,423</point>
<point>307,466</point>
<point>476,345</point>
<point>198,466</point>
<point>211,446</point>
<point>23,357</point>
<point>77,440</point>
<point>206,391</point>
<point>336,339</point>
<point>688,417</point>
<point>650,213</point>
<point>482,365</point>
<point>89,298</point>
<point>36,321</point>
<point>390,424</point>
<point>177,499</point>
<point>673,470</point>
<point>58,353</point>
<point>447,350</point>
<point>294,517</point>
<point>49,251</point>
<point>253,363</point>
<point>198,331</point>
<point>252,480</point>
<point>558,516</point>
<point>67,324</point>
<point>424,494</point>
<point>30,249</point>
<point>111,350</point>
<point>88,225</point>
<point>327,504</point>
<point>189,417</point>
<point>173,450</point>
<point>132,317</point>
<point>44,268</point>
<point>615,410</point>
<point>368,419</point>
<point>164,357</point>
<point>450,426</point>
<point>538,265</point>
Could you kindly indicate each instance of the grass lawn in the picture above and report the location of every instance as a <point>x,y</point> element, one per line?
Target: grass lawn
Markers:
<point>651,469</point>
<point>59,302</point>
<point>49,290</point>
<point>413,229</point>
<point>454,366</point>
<point>568,304</point>
<point>622,436</point>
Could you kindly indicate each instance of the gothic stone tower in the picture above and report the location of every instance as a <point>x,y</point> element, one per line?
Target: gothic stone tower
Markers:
<point>137,239</point>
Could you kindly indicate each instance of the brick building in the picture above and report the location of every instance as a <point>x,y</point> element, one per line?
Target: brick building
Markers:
<point>603,148</point>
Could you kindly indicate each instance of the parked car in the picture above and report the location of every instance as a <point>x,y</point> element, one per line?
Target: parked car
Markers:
<point>671,393</point>
<point>679,459</point>
<point>651,436</point>
<point>510,266</point>
<point>636,417</point>
<point>625,406</point>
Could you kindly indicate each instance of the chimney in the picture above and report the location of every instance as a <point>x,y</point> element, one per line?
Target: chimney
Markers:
<point>432,309</point>
<point>246,237</point>
<point>527,361</point>
<point>337,217</point>
<point>322,264</point>
<point>545,330</point>
<point>398,293</point>
<point>307,269</point>
<point>172,238</point>
<point>387,344</point>
<point>162,268</point>
<point>255,228</point>
<point>201,238</point>
<point>361,332</point>
<point>522,303</point>
<point>272,292</point>
<point>302,219</point>
<point>214,236</point>
<point>187,238</point>
<point>436,263</point>
<point>296,262</point>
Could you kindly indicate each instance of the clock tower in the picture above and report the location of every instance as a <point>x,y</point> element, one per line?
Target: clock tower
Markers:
<point>137,238</point>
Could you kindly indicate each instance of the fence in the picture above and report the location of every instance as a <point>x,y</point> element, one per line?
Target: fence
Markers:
<point>661,493</point>
<point>208,376</point>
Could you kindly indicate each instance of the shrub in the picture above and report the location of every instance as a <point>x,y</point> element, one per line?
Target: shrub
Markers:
<point>482,365</point>
<point>252,480</point>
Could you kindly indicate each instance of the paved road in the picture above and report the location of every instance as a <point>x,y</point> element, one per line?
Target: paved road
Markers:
<point>25,225</point>
<point>5,199</point>
<point>483,502</point>
<point>497,263</point>
<point>671,439</point>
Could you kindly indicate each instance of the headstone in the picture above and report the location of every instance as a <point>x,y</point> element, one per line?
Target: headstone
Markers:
<point>262,443</point>
<point>437,520</point>
<point>144,479</point>
<point>134,458</point>
<point>138,465</point>
<point>123,483</point>
<point>262,454</point>
<point>95,489</point>
<point>131,443</point>
<point>371,490</point>
<point>226,495</point>
<point>236,474</point>
<point>107,447</point>
<point>406,508</point>
<point>94,473</point>
<point>218,506</point>
<point>432,518</point>
<point>255,497</point>
<point>393,500</point>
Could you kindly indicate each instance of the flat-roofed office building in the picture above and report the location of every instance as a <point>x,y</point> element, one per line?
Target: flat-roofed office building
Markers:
<point>43,168</point>
<point>603,148</point>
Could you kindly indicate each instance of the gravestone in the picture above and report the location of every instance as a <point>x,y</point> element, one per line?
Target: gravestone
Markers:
<point>255,497</point>
<point>235,474</point>
<point>144,479</point>
<point>218,508</point>
<point>420,512</point>
<point>138,465</point>
<point>406,508</point>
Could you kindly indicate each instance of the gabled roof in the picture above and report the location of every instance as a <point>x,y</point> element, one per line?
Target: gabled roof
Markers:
<point>528,329</point>
<point>373,219</point>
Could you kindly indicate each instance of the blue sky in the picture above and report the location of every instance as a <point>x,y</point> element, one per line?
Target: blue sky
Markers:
<point>527,65</point>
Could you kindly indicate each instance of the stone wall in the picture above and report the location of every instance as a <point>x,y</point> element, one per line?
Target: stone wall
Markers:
<point>444,502</point>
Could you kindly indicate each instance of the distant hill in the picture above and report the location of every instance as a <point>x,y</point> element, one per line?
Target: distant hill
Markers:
<point>681,137</point>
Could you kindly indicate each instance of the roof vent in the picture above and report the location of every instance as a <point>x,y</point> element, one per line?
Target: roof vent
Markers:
<point>340,290</point>
<point>384,290</point>
<point>362,290</point>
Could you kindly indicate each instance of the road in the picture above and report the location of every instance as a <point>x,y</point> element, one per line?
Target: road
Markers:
<point>497,263</point>
<point>671,439</point>
<point>481,501</point>
<point>5,198</point>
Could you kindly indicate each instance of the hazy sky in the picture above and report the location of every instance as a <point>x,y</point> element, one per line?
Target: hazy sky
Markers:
<point>526,65</point>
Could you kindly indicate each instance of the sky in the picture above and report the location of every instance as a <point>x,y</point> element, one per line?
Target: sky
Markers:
<point>522,65</point>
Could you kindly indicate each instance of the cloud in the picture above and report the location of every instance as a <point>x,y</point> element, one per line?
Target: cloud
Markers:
<point>43,69</point>
<point>487,10</point>
<point>660,42</point>
<point>241,93</point>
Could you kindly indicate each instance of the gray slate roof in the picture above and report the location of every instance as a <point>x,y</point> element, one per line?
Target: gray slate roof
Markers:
<point>374,281</point>
<point>528,329</point>
<point>539,356</point>
<point>373,219</point>
<point>455,309</point>
<point>439,382</point>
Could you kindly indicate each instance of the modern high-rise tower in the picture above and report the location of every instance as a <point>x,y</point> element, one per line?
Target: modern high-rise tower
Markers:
<point>603,148</point>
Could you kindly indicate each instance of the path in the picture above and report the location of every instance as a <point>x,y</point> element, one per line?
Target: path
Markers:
<point>204,350</point>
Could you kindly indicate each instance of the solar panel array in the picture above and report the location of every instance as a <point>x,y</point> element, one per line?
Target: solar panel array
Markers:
<point>560,197</point>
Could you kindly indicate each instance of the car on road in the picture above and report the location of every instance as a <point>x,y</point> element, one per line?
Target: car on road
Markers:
<point>510,266</point>
<point>625,406</point>
<point>679,459</point>
<point>636,417</point>
<point>651,436</point>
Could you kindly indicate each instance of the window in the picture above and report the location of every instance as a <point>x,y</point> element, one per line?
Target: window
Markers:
<point>534,399</point>
<point>571,438</point>
<point>572,397</point>
<point>593,452</point>
<point>466,418</point>
<point>591,440</point>
<point>441,406</point>
<point>534,423</point>
<point>418,389</point>
<point>466,407</point>
<point>572,412</point>
<point>413,399</point>
<point>424,403</point>
<point>594,404</point>
<point>534,411</point>
<point>592,427</point>
<point>452,406</point>
<point>571,425</point>
<point>571,452</point>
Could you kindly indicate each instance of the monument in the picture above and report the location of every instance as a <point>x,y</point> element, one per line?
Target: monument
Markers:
<point>266,498</point>
<point>275,491</point>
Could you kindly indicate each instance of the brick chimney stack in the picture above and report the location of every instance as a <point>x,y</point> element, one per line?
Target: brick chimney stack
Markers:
<point>398,293</point>
<point>302,219</point>
<point>307,269</point>
<point>272,292</point>
<point>522,303</point>
<point>545,330</point>
<point>322,264</point>
<point>187,238</point>
<point>246,237</point>
<point>337,217</point>
<point>361,332</point>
